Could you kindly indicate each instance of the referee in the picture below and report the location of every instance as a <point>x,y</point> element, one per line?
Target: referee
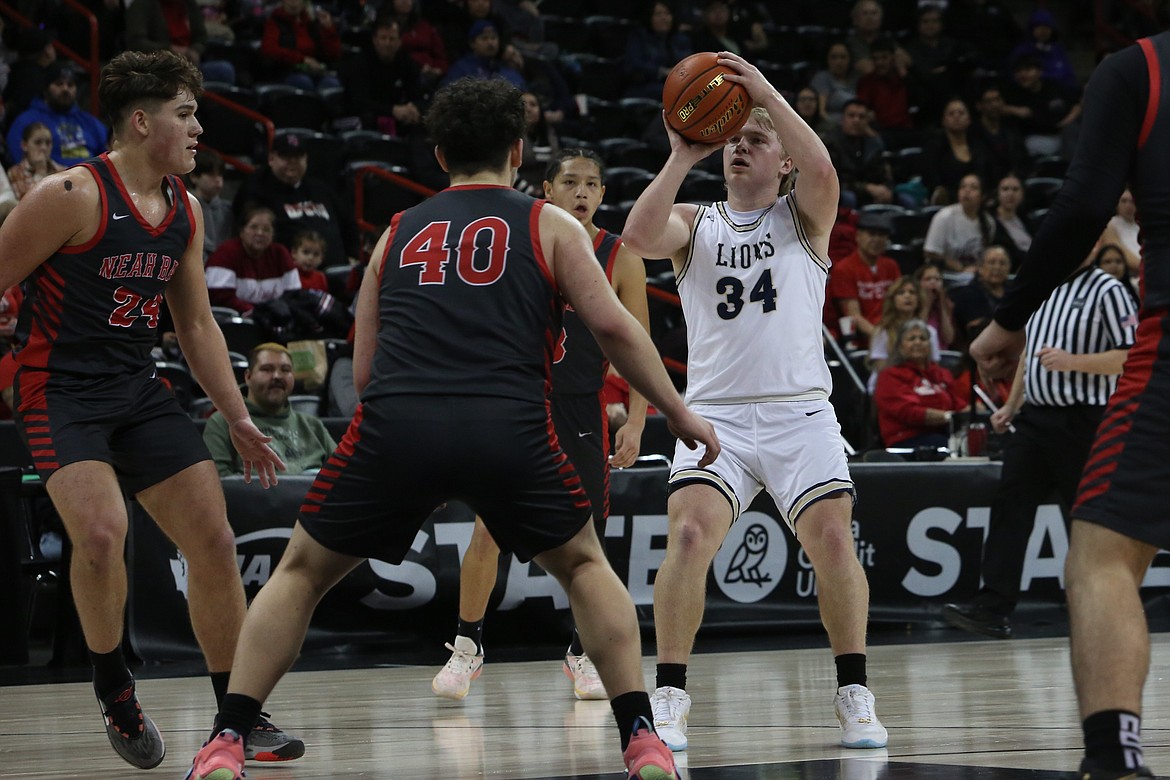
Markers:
<point>1076,345</point>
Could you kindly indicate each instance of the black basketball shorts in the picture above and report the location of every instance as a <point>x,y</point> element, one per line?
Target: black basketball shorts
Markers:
<point>132,422</point>
<point>403,456</point>
<point>582,428</point>
<point>1123,485</point>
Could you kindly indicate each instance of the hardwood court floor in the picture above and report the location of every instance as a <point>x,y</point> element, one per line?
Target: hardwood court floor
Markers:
<point>955,711</point>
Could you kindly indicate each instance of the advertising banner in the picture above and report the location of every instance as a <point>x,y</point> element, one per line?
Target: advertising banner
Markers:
<point>918,530</point>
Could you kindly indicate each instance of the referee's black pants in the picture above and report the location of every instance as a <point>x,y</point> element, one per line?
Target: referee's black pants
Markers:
<point>1045,454</point>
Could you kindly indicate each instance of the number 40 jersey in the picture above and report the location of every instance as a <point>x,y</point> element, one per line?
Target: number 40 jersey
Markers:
<point>753,293</point>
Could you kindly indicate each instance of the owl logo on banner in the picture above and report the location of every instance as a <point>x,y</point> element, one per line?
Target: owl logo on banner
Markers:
<point>752,560</point>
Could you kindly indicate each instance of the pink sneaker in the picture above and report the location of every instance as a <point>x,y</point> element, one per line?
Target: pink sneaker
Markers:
<point>454,680</point>
<point>220,759</point>
<point>648,757</point>
<point>587,684</point>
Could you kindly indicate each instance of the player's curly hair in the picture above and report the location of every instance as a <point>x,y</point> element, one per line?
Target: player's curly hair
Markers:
<point>136,77</point>
<point>474,122</point>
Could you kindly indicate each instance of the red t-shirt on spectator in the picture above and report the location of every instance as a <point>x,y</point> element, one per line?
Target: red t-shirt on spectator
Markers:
<point>854,278</point>
<point>903,394</point>
<point>313,280</point>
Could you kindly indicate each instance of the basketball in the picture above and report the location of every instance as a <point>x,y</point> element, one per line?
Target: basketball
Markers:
<point>700,104</point>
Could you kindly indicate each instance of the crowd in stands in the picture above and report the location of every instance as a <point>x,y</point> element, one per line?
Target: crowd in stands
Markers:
<point>949,123</point>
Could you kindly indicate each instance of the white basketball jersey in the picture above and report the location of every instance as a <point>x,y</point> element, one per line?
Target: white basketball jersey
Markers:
<point>753,290</point>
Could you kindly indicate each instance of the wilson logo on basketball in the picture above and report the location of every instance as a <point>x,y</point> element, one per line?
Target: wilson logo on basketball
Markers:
<point>688,109</point>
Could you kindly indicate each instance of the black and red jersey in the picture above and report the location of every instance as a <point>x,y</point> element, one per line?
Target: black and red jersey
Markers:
<point>467,304</point>
<point>579,364</point>
<point>94,309</point>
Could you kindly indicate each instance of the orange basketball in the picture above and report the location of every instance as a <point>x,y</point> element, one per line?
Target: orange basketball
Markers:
<point>700,104</point>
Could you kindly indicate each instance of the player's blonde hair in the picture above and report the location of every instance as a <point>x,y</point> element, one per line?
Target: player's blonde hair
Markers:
<point>761,115</point>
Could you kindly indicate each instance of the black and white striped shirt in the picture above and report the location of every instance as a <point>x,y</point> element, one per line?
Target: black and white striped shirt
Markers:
<point>1090,312</point>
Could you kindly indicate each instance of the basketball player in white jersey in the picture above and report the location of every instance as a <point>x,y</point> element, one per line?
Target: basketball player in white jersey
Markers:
<point>751,273</point>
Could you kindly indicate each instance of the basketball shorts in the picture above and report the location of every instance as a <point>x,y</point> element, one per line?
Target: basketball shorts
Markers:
<point>1123,484</point>
<point>792,449</point>
<point>403,456</point>
<point>582,428</point>
<point>131,422</point>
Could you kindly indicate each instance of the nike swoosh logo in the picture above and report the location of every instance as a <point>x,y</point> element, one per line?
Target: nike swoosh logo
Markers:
<point>119,216</point>
<point>583,435</point>
<point>810,414</point>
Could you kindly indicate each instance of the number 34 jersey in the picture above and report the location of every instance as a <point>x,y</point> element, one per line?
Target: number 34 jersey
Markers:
<point>753,292</point>
<point>93,309</point>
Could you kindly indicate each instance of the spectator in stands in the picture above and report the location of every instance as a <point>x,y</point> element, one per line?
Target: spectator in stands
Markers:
<point>483,61</point>
<point>298,46</point>
<point>652,50</point>
<point>885,91</point>
<point>1111,259</point>
<point>301,440</point>
<point>935,309</point>
<point>308,251</point>
<point>540,144</point>
<point>836,84</point>
<point>517,22</point>
<point>1010,231</point>
<point>420,39</point>
<point>867,29</point>
<point>987,26</point>
<point>859,281</point>
<point>1044,108</point>
<point>856,152</point>
<point>1122,230</point>
<point>206,183</point>
<point>998,133</point>
<point>939,64</point>
<point>901,303</point>
<point>808,105</point>
<point>716,33</point>
<point>77,134</point>
<point>959,232</point>
<point>952,154</point>
<point>26,78</point>
<point>251,268</point>
<point>299,201</point>
<point>154,25</point>
<point>976,301</point>
<point>1041,41</point>
<point>383,85</point>
<point>915,396</point>
<point>36,144</point>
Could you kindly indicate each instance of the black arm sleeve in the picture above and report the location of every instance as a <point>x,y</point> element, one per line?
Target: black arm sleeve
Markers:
<point>1114,105</point>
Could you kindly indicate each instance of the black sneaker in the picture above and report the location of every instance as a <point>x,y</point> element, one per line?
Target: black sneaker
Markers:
<point>132,733</point>
<point>1089,771</point>
<point>266,742</point>
<point>978,620</point>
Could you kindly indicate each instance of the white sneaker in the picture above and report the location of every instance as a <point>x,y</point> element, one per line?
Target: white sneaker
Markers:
<point>586,682</point>
<point>860,727</point>
<point>671,707</point>
<point>454,680</point>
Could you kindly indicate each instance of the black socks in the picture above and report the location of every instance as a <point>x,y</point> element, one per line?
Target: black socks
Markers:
<point>674,675</point>
<point>850,669</point>
<point>627,708</point>
<point>1113,740</point>
<point>238,713</point>
<point>110,672</point>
